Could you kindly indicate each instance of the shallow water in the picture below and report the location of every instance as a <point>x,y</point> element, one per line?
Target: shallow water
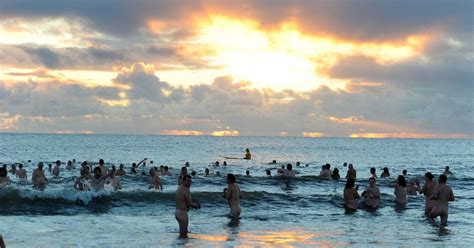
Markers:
<point>306,211</point>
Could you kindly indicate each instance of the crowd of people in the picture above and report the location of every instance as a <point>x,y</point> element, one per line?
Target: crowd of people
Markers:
<point>437,195</point>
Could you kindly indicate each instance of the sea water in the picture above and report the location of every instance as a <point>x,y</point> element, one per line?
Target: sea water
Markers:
<point>306,211</point>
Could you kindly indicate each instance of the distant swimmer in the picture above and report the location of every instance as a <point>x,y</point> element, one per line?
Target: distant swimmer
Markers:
<point>351,172</point>
<point>288,172</point>
<point>427,190</point>
<point>351,195</point>
<point>183,204</point>
<point>335,174</point>
<point>13,169</point>
<point>166,171</point>
<point>103,169</point>
<point>50,168</point>
<point>442,195</point>
<point>187,164</point>
<point>56,169</point>
<point>401,190</point>
<point>121,172</point>
<point>225,163</point>
<point>21,173</point>
<point>98,181</point>
<point>447,172</point>
<point>4,179</point>
<point>247,154</point>
<point>373,172</point>
<point>206,172</point>
<point>298,163</point>
<point>184,172</point>
<point>38,179</point>
<point>69,165</point>
<point>273,162</point>
<point>371,194</point>
<point>81,182</point>
<point>115,181</point>
<point>193,173</point>
<point>269,173</point>
<point>85,169</point>
<point>325,172</point>
<point>405,173</point>
<point>247,173</point>
<point>133,170</point>
<point>233,195</point>
<point>385,173</point>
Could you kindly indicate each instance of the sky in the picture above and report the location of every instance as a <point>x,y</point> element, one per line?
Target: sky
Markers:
<point>349,68</point>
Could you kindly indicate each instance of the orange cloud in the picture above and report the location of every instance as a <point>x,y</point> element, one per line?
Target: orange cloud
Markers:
<point>226,133</point>
<point>312,134</point>
<point>181,132</point>
<point>409,136</point>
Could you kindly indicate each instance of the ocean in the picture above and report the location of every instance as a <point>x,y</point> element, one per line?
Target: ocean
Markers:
<point>306,211</point>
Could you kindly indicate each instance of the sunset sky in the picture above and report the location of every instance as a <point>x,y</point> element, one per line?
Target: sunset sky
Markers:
<point>236,68</point>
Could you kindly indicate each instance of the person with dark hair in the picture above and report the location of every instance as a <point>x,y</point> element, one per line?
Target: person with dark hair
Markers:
<point>4,179</point>
<point>404,172</point>
<point>184,172</point>
<point>401,190</point>
<point>13,169</point>
<point>351,195</point>
<point>442,194</point>
<point>269,173</point>
<point>351,173</point>
<point>288,172</point>
<point>38,178</point>
<point>325,171</point>
<point>447,172</point>
<point>183,204</point>
<point>206,172</point>
<point>166,172</point>
<point>385,173</point>
<point>373,173</point>
<point>120,172</point>
<point>193,173</point>
<point>427,190</point>
<point>103,169</point>
<point>69,165</point>
<point>56,168</point>
<point>98,181</point>
<point>371,194</point>
<point>247,173</point>
<point>154,178</point>
<point>335,174</point>
<point>233,195</point>
<point>21,173</point>
<point>82,182</point>
<point>247,154</point>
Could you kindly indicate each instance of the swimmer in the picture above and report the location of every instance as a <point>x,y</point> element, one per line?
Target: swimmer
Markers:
<point>4,179</point>
<point>351,195</point>
<point>447,172</point>
<point>233,195</point>
<point>371,194</point>
<point>404,173</point>
<point>385,173</point>
<point>412,187</point>
<point>335,174</point>
<point>115,181</point>
<point>247,154</point>
<point>166,171</point>
<point>13,169</point>
<point>373,173</point>
<point>56,168</point>
<point>69,165</point>
<point>120,172</point>
<point>400,190</point>
<point>50,167</point>
<point>224,164</point>
<point>247,173</point>
<point>324,171</point>
<point>206,172</point>
<point>351,173</point>
<point>298,163</point>
<point>81,182</point>
<point>216,163</point>
<point>427,190</point>
<point>186,164</point>
<point>85,169</point>
<point>288,172</point>
<point>103,169</point>
<point>21,173</point>
<point>273,162</point>
<point>442,195</point>
<point>193,173</point>
<point>269,173</point>
<point>184,172</point>
<point>218,173</point>
<point>133,170</point>
<point>98,181</point>
<point>38,179</point>
<point>183,204</point>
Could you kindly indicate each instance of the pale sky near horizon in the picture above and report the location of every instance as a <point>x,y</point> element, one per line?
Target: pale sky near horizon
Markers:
<point>360,68</point>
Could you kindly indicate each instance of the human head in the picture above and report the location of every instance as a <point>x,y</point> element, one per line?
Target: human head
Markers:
<point>442,178</point>
<point>401,181</point>
<point>13,166</point>
<point>247,150</point>
<point>345,164</point>
<point>447,168</point>
<point>269,173</point>
<point>166,168</point>
<point>20,166</point>
<point>247,172</point>
<point>121,166</point>
<point>385,170</point>
<point>69,162</point>
<point>429,176</point>
<point>58,163</point>
<point>372,170</point>
<point>289,167</point>
<point>328,166</point>
<point>49,165</point>
<point>152,171</point>
<point>193,173</point>
<point>134,165</point>
<point>335,171</point>
<point>351,167</point>
<point>187,181</point>
<point>184,170</point>
<point>206,171</point>
<point>298,163</point>
<point>404,172</point>
<point>40,165</point>
<point>186,164</point>
<point>225,163</point>
<point>217,163</point>
<point>101,162</point>
<point>350,183</point>
<point>3,172</point>
<point>372,181</point>
<point>97,172</point>
<point>231,178</point>
<point>274,162</point>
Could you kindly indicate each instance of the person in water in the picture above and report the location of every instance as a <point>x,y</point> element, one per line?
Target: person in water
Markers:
<point>103,169</point>
<point>38,178</point>
<point>184,172</point>
<point>351,195</point>
<point>114,180</point>
<point>247,173</point>
<point>325,172</point>
<point>442,194</point>
<point>401,190</point>
<point>166,171</point>
<point>427,190</point>
<point>233,195</point>
<point>56,169</point>
<point>288,172</point>
<point>335,174</point>
<point>21,173</point>
<point>269,173</point>
<point>412,187</point>
<point>373,172</point>
<point>351,172</point>
<point>4,179</point>
<point>98,181</point>
<point>69,165</point>
<point>447,172</point>
<point>247,154</point>
<point>13,169</point>
<point>206,172</point>
<point>385,173</point>
<point>82,182</point>
<point>121,172</point>
<point>371,194</point>
<point>183,203</point>
<point>154,179</point>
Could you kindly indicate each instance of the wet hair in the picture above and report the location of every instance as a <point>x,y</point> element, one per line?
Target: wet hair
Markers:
<point>206,171</point>
<point>97,169</point>
<point>225,163</point>
<point>289,167</point>
<point>193,173</point>
<point>269,173</point>
<point>372,170</point>
<point>58,162</point>
<point>184,169</point>
<point>20,166</point>
<point>3,172</point>
<point>186,164</point>
<point>401,181</point>
<point>443,178</point>
<point>335,171</point>
<point>446,168</point>
<point>231,177</point>
<point>101,161</point>
<point>247,172</point>
<point>404,172</point>
<point>274,162</point>
<point>429,175</point>
<point>372,178</point>
<point>166,167</point>
<point>385,170</point>
<point>350,183</point>
<point>121,165</point>
<point>328,166</point>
